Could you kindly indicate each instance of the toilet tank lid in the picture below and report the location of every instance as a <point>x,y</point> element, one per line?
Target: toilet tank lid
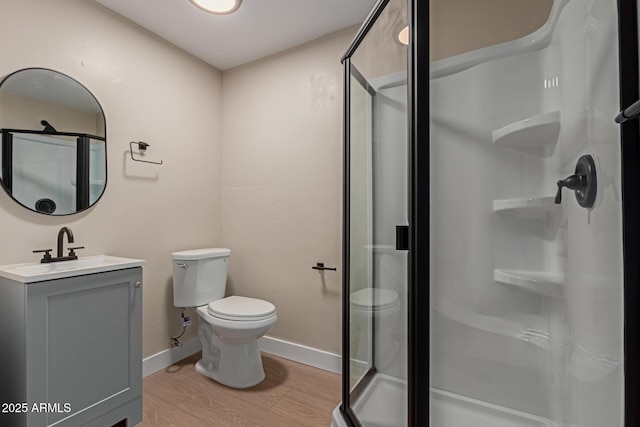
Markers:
<point>195,254</point>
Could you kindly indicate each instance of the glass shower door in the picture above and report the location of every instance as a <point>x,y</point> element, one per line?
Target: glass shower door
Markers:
<point>376,292</point>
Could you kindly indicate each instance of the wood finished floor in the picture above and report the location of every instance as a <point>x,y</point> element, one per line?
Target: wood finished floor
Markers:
<point>292,394</point>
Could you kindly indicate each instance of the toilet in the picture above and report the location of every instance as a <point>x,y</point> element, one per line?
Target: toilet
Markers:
<point>229,327</point>
<point>383,306</point>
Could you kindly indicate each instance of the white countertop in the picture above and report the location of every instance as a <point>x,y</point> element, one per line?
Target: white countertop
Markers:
<point>37,272</point>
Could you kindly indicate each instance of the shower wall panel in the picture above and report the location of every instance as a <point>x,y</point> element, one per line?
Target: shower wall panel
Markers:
<point>594,285</point>
<point>479,325</point>
<point>527,294</point>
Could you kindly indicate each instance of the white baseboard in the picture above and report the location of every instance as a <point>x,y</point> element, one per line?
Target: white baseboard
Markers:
<point>302,354</point>
<point>298,353</point>
<point>169,356</point>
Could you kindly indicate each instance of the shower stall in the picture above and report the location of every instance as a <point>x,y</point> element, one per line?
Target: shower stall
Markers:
<point>491,216</point>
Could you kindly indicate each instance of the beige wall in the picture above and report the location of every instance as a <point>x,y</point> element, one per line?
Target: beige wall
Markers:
<point>380,53</point>
<point>459,26</point>
<point>282,178</point>
<point>19,112</point>
<point>150,91</point>
<point>271,193</point>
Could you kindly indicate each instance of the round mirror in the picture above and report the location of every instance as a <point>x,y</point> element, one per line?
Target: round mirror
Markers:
<point>54,145</point>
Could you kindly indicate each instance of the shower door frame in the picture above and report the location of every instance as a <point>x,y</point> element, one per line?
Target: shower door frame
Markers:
<point>345,406</point>
<point>419,286</point>
<point>418,292</point>
<point>352,72</point>
<point>630,165</point>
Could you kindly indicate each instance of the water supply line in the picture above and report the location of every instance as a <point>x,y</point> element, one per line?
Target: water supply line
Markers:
<point>186,321</point>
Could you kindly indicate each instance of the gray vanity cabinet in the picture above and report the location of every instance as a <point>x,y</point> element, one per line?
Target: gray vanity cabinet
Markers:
<point>70,350</point>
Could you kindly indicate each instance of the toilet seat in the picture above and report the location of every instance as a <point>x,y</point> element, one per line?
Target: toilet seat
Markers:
<point>374,299</point>
<point>238,308</point>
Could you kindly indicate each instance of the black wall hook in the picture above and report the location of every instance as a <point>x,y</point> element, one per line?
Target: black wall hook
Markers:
<point>142,146</point>
<point>47,127</point>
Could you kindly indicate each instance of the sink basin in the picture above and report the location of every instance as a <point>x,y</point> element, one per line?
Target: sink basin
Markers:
<point>37,272</point>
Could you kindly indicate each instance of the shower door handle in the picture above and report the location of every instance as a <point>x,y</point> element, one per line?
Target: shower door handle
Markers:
<point>402,237</point>
<point>629,113</point>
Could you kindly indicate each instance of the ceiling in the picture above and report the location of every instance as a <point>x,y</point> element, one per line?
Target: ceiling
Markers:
<point>259,28</point>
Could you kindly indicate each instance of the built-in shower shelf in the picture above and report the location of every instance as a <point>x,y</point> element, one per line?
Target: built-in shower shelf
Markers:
<point>533,207</point>
<point>538,131</point>
<point>539,282</point>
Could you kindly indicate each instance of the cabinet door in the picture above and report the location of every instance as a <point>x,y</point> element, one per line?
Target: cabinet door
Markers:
<point>83,346</point>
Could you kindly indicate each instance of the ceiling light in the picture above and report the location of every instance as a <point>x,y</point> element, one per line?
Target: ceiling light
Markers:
<point>403,36</point>
<point>219,7</point>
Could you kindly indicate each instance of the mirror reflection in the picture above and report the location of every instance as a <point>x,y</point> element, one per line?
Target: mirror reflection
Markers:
<point>53,152</point>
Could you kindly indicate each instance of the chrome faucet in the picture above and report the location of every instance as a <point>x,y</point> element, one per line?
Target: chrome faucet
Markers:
<point>72,253</point>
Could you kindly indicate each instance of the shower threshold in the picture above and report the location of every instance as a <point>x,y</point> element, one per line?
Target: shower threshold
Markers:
<point>383,404</point>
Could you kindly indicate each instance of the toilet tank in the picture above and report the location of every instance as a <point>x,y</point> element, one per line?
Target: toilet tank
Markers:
<point>199,276</point>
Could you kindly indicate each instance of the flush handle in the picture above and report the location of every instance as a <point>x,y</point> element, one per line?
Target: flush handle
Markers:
<point>584,182</point>
<point>181,265</point>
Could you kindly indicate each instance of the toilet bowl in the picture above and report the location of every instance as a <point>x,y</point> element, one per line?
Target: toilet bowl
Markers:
<point>229,327</point>
<point>380,307</point>
<point>229,337</point>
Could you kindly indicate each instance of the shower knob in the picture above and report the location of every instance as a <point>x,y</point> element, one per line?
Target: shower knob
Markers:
<point>574,182</point>
<point>583,182</point>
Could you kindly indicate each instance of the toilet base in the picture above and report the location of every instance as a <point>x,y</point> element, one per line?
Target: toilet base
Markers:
<point>233,365</point>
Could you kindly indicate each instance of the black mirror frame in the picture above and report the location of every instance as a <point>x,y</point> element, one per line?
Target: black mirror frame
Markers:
<point>104,118</point>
